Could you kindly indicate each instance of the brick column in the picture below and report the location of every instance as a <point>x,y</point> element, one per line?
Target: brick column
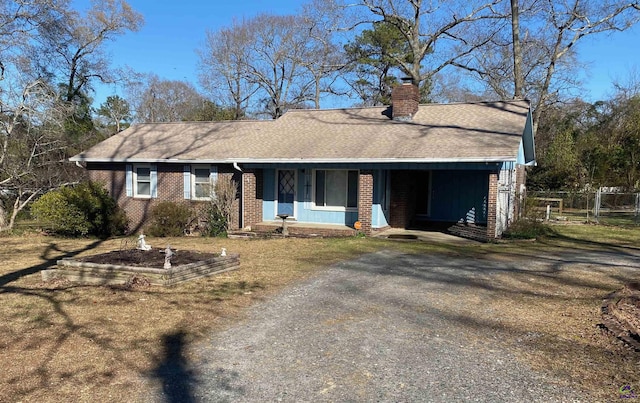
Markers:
<point>492,206</point>
<point>365,200</point>
<point>252,197</point>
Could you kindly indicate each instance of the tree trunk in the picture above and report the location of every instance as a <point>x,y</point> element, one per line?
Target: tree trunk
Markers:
<point>3,217</point>
<point>517,52</point>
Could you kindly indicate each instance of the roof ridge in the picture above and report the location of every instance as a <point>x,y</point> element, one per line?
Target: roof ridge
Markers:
<point>204,122</point>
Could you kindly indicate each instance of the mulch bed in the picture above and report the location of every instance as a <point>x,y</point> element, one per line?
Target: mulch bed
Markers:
<point>153,258</point>
<point>621,314</point>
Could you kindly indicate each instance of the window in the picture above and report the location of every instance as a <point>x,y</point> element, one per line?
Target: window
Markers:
<point>201,183</point>
<point>142,181</point>
<point>336,189</point>
<point>199,180</point>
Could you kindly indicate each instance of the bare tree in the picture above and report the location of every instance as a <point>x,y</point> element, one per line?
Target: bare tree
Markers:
<point>438,33</point>
<point>71,49</point>
<point>518,78</point>
<point>223,195</point>
<point>550,32</point>
<point>158,100</point>
<point>270,63</point>
<point>278,54</point>
<point>45,46</point>
<point>33,147</point>
<point>223,67</point>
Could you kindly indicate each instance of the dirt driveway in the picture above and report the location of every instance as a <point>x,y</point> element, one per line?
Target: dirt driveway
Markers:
<point>386,327</point>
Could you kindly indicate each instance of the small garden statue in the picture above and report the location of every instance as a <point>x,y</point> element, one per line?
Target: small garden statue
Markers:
<point>168,253</point>
<point>142,245</point>
<point>224,252</point>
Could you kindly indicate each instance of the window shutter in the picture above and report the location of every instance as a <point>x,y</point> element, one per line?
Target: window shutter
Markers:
<point>129,180</point>
<point>213,173</point>
<point>213,177</point>
<point>187,181</point>
<point>154,180</point>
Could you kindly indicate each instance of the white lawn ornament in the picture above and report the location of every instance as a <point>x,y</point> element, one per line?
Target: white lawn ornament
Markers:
<point>224,252</point>
<point>168,253</point>
<point>142,245</point>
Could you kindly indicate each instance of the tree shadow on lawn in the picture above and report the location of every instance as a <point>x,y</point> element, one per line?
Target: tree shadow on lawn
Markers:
<point>547,310</point>
<point>72,342</point>
<point>46,264</point>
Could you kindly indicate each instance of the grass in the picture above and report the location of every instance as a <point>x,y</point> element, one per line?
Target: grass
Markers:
<point>66,342</point>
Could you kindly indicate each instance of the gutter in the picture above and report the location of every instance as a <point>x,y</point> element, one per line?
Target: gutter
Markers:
<point>236,161</point>
<point>237,167</point>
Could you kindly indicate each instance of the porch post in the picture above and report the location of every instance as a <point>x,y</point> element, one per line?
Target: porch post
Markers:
<point>492,206</point>
<point>365,200</point>
<point>252,197</point>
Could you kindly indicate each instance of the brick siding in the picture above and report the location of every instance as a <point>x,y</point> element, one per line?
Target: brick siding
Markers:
<point>365,200</point>
<point>252,197</point>
<point>170,187</point>
<point>492,205</point>
<point>402,205</point>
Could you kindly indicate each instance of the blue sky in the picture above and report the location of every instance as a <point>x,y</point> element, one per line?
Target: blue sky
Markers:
<point>173,30</point>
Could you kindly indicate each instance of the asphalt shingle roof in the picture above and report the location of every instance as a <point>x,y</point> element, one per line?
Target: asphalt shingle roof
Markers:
<point>464,131</point>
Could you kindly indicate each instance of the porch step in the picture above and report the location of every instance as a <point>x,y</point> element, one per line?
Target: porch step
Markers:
<point>469,231</point>
<point>304,230</point>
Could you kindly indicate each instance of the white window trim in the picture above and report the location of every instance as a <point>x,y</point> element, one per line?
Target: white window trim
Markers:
<point>333,208</point>
<point>135,181</point>
<point>193,180</point>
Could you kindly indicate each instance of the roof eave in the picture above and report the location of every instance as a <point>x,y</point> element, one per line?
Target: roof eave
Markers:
<point>78,158</point>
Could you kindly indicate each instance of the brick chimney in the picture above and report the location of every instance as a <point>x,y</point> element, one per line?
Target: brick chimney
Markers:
<point>405,99</point>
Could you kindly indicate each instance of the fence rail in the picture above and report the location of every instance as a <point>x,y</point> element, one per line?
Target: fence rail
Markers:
<point>599,206</point>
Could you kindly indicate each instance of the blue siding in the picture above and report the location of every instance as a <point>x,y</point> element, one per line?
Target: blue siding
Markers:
<point>459,195</point>
<point>269,195</point>
<point>303,211</point>
<point>456,195</point>
<point>378,218</point>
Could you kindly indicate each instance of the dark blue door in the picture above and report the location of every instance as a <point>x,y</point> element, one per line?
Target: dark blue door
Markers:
<point>286,191</point>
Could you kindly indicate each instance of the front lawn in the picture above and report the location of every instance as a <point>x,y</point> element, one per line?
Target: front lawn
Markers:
<point>62,342</point>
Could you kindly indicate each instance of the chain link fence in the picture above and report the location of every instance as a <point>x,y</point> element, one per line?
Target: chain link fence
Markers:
<point>603,206</point>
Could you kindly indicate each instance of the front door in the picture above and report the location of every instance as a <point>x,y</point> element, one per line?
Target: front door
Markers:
<point>286,191</point>
<point>423,195</point>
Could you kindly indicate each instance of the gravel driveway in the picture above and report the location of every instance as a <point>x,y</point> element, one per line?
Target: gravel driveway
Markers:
<point>379,328</point>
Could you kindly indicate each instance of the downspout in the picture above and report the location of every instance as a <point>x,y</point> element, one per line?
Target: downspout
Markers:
<point>237,167</point>
<point>79,165</point>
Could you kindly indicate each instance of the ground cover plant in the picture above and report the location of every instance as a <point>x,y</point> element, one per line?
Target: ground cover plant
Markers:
<point>81,343</point>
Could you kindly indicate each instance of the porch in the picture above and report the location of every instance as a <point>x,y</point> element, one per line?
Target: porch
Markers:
<point>304,229</point>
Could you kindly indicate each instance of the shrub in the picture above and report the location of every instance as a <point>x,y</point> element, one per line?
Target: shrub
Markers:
<point>216,223</point>
<point>169,219</point>
<point>526,228</point>
<point>224,192</point>
<point>531,226</point>
<point>85,209</point>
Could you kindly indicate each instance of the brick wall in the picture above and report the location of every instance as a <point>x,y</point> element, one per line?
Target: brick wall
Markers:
<point>492,205</point>
<point>170,188</point>
<point>402,206</point>
<point>365,200</point>
<point>252,197</point>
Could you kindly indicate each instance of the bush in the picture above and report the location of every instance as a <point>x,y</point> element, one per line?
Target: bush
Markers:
<point>531,225</point>
<point>223,196</point>
<point>169,219</point>
<point>216,223</point>
<point>527,229</point>
<point>85,209</point>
